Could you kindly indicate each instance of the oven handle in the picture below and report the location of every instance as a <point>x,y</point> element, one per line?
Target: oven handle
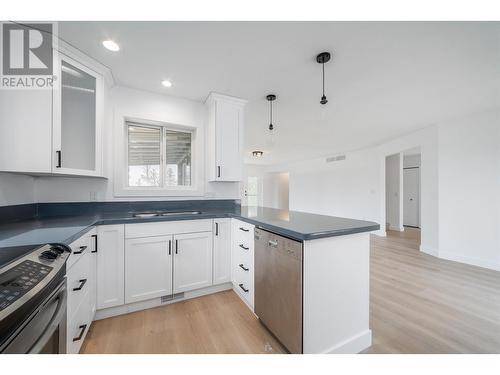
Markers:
<point>55,321</point>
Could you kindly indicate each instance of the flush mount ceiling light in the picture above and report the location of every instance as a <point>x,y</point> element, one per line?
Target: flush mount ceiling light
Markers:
<point>166,83</point>
<point>323,58</point>
<point>271,98</point>
<point>111,45</point>
<point>257,154</point>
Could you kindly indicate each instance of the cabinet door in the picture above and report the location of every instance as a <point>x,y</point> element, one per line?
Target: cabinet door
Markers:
<point>192,261</point>
<point>222,251</point>
<point>93,273</point>
<point>25,130</point>
<point>148,268</point>
<point>77,119</point>
<point>228,126</point>
<point>110,266</point>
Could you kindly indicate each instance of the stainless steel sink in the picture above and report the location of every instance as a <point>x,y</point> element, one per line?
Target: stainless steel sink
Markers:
<point>145,215</point>
<point>180,213</point>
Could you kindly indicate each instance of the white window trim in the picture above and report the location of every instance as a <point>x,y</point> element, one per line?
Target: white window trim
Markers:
<point>120,142</point>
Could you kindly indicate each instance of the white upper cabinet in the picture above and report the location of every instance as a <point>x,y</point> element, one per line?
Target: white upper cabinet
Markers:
<point>225,137</point>
<point>58,129</point>
<point>25,130</point>
<point>77,119</point>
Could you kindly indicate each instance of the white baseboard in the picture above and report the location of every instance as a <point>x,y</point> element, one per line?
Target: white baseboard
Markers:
<point>155,302</point>
<point>473,261</point>
<point>353,345</point>
<point>398,229</point>
<point>429,250</point>
<point>380,233</point>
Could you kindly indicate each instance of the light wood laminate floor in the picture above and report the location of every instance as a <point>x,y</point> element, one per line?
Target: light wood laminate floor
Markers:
<point>418,304</point>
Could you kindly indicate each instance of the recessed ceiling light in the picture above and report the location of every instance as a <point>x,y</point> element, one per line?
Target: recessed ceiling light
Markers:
<point>166,83</point>
<point>257,154</point>
<point>111,45</point>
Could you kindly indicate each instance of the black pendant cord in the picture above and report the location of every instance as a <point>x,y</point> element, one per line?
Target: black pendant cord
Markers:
<point>323,78</point>
<point>271,98</point>
<point>271,116</point>
<point>323,58</point>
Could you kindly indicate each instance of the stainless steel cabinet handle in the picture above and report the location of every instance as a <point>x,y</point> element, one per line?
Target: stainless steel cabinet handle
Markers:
<point>216,229</point>
<point>243,267</point>
<point>242,287</point>
<point>244,230</point>
<point>176,247</point>
<point>82,283</point>
<point>218,171</point>
<point>244,247</point>
<point>82,331</point>
<point>272,243</point>
<point>169,247</point>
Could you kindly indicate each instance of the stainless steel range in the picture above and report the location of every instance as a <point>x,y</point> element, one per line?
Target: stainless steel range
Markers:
<point>33,299</point>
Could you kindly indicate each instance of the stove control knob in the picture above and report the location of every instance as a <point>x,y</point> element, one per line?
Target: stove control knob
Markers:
<point>58,249</point>
<point>49,255</point>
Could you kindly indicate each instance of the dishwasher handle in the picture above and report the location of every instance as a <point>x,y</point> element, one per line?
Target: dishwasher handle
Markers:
<point>272,243</point>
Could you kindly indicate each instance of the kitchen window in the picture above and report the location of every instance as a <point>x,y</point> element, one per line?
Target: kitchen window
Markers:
<point>158,157</point>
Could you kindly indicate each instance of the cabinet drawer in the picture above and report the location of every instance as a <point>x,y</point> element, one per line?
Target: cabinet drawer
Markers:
<point>79,248</point>
<point>78,326</point>
<point>244,285</point>
<point>79,282</point>
<point>166,228</point>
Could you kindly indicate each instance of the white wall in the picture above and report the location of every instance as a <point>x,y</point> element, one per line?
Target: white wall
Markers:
<point>469,190</point>
<point>143,105</point>
<point>460,186</point>
<point>347,188</point>
<point>275,191</point>
<point>393,191</point>
<point>355,187</point>
<point>16,189</point>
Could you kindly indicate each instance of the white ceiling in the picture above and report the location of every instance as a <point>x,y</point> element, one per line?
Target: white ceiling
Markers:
<point>385,78</point>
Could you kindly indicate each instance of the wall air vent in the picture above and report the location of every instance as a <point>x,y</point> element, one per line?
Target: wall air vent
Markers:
<point>335,158</point>
<point>171,297</point>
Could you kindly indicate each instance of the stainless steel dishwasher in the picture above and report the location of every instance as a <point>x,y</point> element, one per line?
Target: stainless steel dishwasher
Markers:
<point>278,287</point>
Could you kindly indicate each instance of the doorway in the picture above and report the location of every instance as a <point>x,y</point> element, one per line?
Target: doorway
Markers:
<point>411,188</point>
<point>403,192</point>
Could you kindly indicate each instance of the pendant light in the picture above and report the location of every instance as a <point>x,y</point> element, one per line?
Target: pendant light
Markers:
<point>271,98</point>
<point>323,58</point>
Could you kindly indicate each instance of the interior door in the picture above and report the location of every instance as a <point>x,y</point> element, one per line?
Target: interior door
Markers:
<point>411,194</point>
<point>192,261</point>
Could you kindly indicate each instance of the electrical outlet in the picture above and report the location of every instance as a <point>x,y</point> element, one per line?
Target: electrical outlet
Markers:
<point>93,196</point>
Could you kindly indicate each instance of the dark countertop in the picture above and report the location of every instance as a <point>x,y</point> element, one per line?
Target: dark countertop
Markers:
<point>67,228</point>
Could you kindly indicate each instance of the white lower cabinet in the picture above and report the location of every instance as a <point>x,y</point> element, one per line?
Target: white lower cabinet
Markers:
<point>110,266</point>
<point>192,261</point>
<point>148,268</point>
<point>81,284</point>
<point>222,251</point>
<point>242,260</point>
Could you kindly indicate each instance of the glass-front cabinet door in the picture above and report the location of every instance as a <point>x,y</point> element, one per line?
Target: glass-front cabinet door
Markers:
<point>77,119</point>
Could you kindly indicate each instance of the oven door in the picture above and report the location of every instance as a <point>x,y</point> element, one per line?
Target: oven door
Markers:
<point>45,330</point>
